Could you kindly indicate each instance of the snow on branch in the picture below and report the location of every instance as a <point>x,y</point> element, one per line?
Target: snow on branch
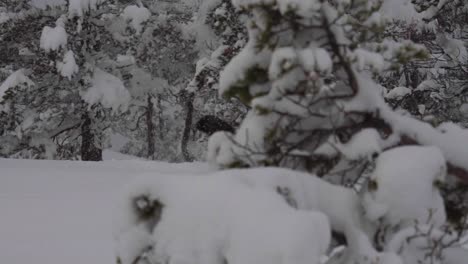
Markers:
<point>137,16</point>
<point>409,131</point>
<point>54,39</point>
<point>68,66</point>
<point>16,78</point>
<point>107,90</point>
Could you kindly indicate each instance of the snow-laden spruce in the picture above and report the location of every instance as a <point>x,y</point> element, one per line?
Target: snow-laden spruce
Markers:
<point>293,99</point>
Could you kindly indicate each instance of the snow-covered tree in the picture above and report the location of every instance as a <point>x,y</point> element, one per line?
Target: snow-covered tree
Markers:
<point>226,22</point>
<point>433,88</point>
<point>310,72</point>
<point>68,50</point>
<point>220,35</point>
<point>156,69</point>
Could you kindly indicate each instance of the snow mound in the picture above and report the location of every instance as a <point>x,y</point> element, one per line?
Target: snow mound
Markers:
<point>208,219</point>
<point>137,16</point>
<point>68,66</point>
<point>304,191</point>
<point>132,243</point>
<point>404,182</point>
<point>68,199</point>
<point>16,78</point>
<point>107,90</point>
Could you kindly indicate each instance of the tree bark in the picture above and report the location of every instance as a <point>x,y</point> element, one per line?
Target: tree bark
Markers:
<point>150,127</point>
<point>89,149</point>
<point>188,99</point>
<point>160,119</point>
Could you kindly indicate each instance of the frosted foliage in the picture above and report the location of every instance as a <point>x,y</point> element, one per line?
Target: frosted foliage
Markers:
<point>428,85</point>
<point>365,58</point>
<point>53,39</point>
<point>405,180</point>
<point>16,78</point>
<point>236,69</point>
<point>399,9</point>
<point>137,16</point>
<point>43,4</point>
<point>251,134</point>
<point>453,47</point>
<point>80,7</point>
<point>68,66</point>
<point>303,8</point>
<point>426,244</point>
<point>281,61</point>
<point>446,137</point>
<point>247,3</point>
<point>107,90</point>
<point>142,83</point>
<point>397,93</point>
<point>208,219</point>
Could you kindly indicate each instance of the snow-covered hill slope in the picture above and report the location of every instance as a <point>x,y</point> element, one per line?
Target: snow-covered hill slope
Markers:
<point>61,211</point>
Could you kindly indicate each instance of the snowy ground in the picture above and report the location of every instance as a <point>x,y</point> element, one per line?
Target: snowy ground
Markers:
<point>61,211</point>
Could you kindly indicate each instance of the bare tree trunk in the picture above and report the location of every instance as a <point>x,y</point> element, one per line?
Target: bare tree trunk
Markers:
<point>414,76</point>
<point>188,99</point>
<point>89,150</point>
<point>150,127</point>
<point>160,119</point>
